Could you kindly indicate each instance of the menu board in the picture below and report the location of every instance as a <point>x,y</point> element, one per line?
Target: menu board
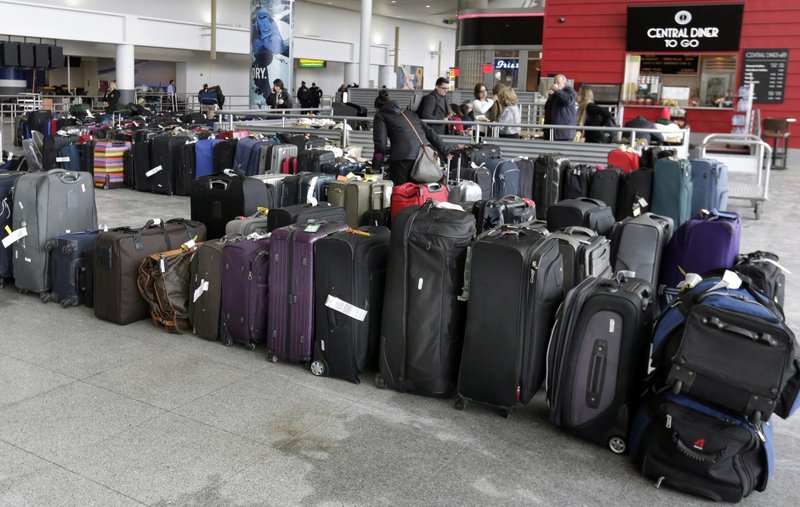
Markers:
<point>659,65</point>
<point>766,70</point>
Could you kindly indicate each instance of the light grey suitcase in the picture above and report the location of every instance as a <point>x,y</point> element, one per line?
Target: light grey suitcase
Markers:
<point>273,183</point>
<point>462,190</point>
<point>245,226</point>
<point>279,152</point>
<point>381,194</point>
<point>48,204</point>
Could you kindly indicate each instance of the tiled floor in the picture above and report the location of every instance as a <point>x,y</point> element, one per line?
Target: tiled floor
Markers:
<point>96,414</point>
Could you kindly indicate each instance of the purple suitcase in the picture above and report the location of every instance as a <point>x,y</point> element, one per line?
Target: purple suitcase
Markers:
<point>705,243</point>
<point>245,292</point>
<point>291,281</point>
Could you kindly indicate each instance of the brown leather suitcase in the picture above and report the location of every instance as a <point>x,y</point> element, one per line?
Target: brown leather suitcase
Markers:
<point>117,256</point>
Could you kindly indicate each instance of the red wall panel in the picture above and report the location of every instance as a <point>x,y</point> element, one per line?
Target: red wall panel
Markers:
<point>589,46</point>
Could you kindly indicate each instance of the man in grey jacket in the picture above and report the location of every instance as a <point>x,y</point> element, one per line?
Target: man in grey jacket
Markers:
<point>434,106</point>
<point>561,109</point>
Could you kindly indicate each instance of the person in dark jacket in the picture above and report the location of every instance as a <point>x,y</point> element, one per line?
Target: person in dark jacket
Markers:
<point>640,122</point>
<point>279,98</point>
<point>561,109</point>
<point>304,95</point>
<point>434,106</point>
<point>593,115</point>
<point>389,125</point>
<point>316,95</point>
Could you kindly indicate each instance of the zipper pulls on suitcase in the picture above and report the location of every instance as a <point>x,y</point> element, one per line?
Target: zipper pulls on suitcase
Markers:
<point>534,269</point>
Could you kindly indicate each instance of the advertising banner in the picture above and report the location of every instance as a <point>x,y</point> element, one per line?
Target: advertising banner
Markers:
<point>271,25</point>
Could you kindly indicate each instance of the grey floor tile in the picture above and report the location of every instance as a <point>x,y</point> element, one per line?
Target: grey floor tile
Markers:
<point>235,355</point>
<point>167,458</point>
<point>56,423</point>
<point>21,380</point>
<point>15,463</point>
<point>265,407</point>
<point>168,379</point>
<point>55,486</point>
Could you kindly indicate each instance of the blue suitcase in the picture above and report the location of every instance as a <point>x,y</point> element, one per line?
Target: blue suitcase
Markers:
<point>69,157</point>
<point>709,185</point>
<point>672,190</point>
<point>244,148</point>
<point>204,157</point>
<point>7,181</point>
<point>505,177</point>
<point>70,269</point>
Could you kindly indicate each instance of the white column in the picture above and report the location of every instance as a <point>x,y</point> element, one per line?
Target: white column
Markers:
<point>366,43</point>
<point>351,73</point>
<point>125,71</point>
<point>386,77</point>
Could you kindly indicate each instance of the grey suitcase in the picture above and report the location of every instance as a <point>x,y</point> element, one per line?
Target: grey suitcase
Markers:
<point>638,243</point>
<point>48,204</point>
<point>277,154</point>
<point>206,289</point>
<point>585,253</point>
<point>244,226</point>
<point>274,183</point>
<point>462,190</point>
<point>354,196</point>
<point>381,195</point>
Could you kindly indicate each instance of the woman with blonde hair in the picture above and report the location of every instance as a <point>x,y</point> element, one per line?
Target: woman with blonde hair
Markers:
<point>511,115</point>
<point>496,108</point>
<point>593,115</point>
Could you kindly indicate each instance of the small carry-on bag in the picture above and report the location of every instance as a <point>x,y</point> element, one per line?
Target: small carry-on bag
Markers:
<point>290,334</point>
<point>637,244</point>
<point>729,347</point>
<point>244,226</point>
<point>585,255</point>
<point>764,272</point>
<point>672,190</point>
<point>47,205</point>
<point>414,194</point>
<point>697,449</point>
<point>635,193</point>
<point>597,358</point>
<point>354,196</point>
<point>163,282</point>
<point>518,210</point>
<point>419,346</point>
<point>503,361</point>
<point>525,166</point>
<point>605,187</point>
<point>709,185</point>
<point>118,253</point>
<point>7,181</point>
<point>583,212</point>
<point>245,291</point>
<point>219,198</point>
<point>548,171</point>
<point>70,269</point>
<point>462,190</point>
<point>626,160</point>
<point>349,280</point>
<point>302,213</point>
<point>205,289</point>
<point>578,181</point>
<point>481,176</point>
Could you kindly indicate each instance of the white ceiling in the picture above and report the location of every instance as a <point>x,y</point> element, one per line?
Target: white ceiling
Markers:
<point>423,11</point>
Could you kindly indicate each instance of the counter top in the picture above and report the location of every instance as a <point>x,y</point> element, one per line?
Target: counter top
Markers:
<point>701,108</point>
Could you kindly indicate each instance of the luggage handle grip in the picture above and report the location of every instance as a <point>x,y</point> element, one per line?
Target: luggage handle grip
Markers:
<point>764,338</point>
<point>69,177</point>
<point>220,184</point>
<point>694,453</point>
<point>597,373</point>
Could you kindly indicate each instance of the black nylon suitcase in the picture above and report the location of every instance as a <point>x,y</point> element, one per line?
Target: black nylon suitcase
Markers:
<point>117,256</point>
<point>605,186</point>
<point>525,166</point>
<point>583,212</point>
<point>638,243</point>
<point>315,161</point>
<point>423,319</point>
<point>206,289</point>
<point>765,273</point>
<point>377,217</point>
<point>585,254</point>
<point>223,155</point>
<point>87,155</point>
<point>548,171</point>
<point>219,198</point>
<point>301,213</point>
<point>351,267</point>
<point>488,214</point>
<point>185,161</point>
<point>141,164</point>
<point>635,193</point>
<point>70,270</point>
<point>578,181</point>
<point>481,176</point>
<point>162,155</point>
<point>504,345</point>
<point>597,359</point>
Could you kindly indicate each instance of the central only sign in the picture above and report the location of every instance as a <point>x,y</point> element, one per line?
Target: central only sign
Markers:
<point>685,28</point>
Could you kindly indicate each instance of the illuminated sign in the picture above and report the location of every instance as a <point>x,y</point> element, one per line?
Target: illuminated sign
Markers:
<point>305,63</point>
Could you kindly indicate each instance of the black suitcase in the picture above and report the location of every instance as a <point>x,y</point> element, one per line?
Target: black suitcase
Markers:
<point>141,165</point>
<point>349,276</point>
<point>597,359</point>
<point>315,161</point>
<point>206,289</point>
<point>635,193</point>
<point>223,155</point>
<point>304,142</point>
<point>525,166</point>
<point>423,318</point>
<point>162,155</point>
<point>548,171</point>
<point>605,186</point>
<point>585,255</point>
<point>503,362</point>
<point>376,217</point>
<point>518,210</point>
<point>578,181</point>
<point>488,214</point>
<point>481,176</point>
<point>219,198</point>
<point>584,212</point>
<point>764,272</point>
<point>70,269</point>
<point>311,187</point>
<point>184,158</point>
<point>637,244</point>
<point>87,155</point>
<point>301,213</point>
<point>7,182</point>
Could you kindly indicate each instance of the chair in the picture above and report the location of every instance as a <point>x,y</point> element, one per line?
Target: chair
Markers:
<point>777,129</point>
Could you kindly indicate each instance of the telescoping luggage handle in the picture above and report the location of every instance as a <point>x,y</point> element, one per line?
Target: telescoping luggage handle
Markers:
<point>221,183</point>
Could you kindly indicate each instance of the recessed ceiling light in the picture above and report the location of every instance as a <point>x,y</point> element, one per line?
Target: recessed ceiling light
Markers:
<point>427,6</point>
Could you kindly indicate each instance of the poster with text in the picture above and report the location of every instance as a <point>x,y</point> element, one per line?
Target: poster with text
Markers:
<point>409,77</point>
<point>270,47</point>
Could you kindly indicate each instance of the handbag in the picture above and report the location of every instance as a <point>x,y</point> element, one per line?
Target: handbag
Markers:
<point>426,167</point>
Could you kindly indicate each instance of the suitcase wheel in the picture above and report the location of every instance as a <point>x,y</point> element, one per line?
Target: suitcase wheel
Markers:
<point>67,250</point>
<point>66,303</point>
<point>379,382</point>
<point>50,245</point>
<point>251,346</point>
<point>319,369</point>
<point>617,445</point>
<point>272,358</point>
<point>504,413</point>
<point>459,403</point>
<point>45,297</point>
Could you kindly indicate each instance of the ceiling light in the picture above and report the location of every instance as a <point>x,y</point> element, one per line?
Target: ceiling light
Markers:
<point>427,6</point>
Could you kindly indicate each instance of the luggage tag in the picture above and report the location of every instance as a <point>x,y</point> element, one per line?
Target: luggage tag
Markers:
<point>312,227</point>
<point>14,236</point>
<point>162,265</point>
<point>190,245</point>
<point>310,196</point>
<point>345,308</point>
<point>203,287</point>
<point>62,159</point>
<point>153,171</point>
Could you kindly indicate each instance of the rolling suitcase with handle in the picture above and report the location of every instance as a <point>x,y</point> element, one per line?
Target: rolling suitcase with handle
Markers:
<point>204,156</point>
<point>459,190</point>
<point>635,193</point>
<point>185,160</point>
<point>709,185</point>
<point>605,187</point>
<point>278,153</point>
<point>349,278</point>
<point>302,213</point>
<point>548,171</point>
<point>7,181</point>
<point>525,166</point>
<point>578,181</point>
<point>584,212</point>
<point>414,194</point>
<point>481,176</point>
<point>291,303</point>
<point>70,269</point>
<point>585,254</point>
<point>353,196</point>
<point>638,243</point>
<point>503,361</point>
<point>245,226</point>
<point>672,190</point>
<point>597,358</point>
<point>219,198</point>
<point>205,289</point>
<point>224,154</point>
<point>245,291</point>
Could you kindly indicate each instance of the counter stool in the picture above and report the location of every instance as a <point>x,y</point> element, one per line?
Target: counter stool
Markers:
<point>777,129</point>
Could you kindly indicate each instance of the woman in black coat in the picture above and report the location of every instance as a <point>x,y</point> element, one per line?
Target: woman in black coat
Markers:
<point>403,147</point>
<point>279,98</point>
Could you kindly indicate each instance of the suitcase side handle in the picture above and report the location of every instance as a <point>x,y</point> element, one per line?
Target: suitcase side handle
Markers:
<point>597,374</point>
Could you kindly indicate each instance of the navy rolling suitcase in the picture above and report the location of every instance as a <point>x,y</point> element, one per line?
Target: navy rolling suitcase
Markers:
<point>709,185</point>
<point>597,358</point>
<point>605,187</point>
<point>349,278</point>
<point>70,270</point>
<point>204,156</point>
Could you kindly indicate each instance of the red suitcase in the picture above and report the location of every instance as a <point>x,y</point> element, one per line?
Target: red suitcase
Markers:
<point>624,159</point>
<point>233,134</point>
<point>413,194</point>
<point>289,165</point>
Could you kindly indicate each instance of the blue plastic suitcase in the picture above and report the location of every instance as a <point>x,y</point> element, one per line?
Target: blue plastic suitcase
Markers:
<point>70,269</point>
<point>204,157</point>
<point>672,190</point>
<point>709,185</point>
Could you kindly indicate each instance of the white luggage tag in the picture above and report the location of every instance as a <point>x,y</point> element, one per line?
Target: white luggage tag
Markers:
<point>311,187</point>
<point>62,159</point>
<point>203,287</point>
<point>153,171</point>
<point>345,308</point>
<point>14,236</point>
